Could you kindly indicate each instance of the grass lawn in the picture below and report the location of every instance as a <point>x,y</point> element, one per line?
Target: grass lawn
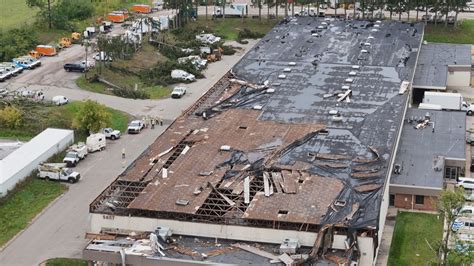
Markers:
<point>24,203</point>
<point>66,262</point>
<point>412,230</point>
<point>15,13</point>
<point>439,33</point>
<point>229,28</point>
<point>39,117</point>
<point>144,59</point>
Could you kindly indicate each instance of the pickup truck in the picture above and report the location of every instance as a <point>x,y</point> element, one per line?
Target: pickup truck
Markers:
<point>110,133</point>
<point>178,92</point>
<point>75,67</point>
<point>75,153</point>
<point>57,171</point>
<point>135,126</point>
<point>71,159</point>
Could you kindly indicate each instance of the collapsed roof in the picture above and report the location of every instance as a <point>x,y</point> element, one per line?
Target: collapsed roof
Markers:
<point>300,134</point>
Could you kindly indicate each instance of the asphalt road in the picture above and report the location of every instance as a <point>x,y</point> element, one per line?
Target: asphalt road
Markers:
<point>59,231</point>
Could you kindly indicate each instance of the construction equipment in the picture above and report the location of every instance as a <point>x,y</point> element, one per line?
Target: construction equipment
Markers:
<point>75,36</point>
<point>215,56</point>
<point>57,171</point>
<point>65,42</point>
<point>34,54</point>
<point>46,50</point>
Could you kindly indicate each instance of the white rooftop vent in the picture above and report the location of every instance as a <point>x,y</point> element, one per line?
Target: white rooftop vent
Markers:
<point>337,118</point>
<point>292,63</point>
<point>270,91</point>
<point>378,21</point>
<point>225,148</point>
<point>355,67</point>
<point>321,27</point>
<point>333,112</point>
<point>352,73</point>
<point>287,69</point>
<point>368,44</point>
<point>315,35</point>
<point>327,19</point>
<point>345,87</point>
<point>276,84</point>
<point>371,37</point>
<point>376,26</point>
<point>324,23</point>
<point>257,107</point>
<point>349,80</point>
<point>364,51</point>
<point>375,30</point>
<point>282,76</point>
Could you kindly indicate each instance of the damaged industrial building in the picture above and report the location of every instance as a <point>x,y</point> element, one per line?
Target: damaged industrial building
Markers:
<point>295,145</point>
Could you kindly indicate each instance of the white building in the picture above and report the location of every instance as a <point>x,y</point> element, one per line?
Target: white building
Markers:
<point>21,163</point>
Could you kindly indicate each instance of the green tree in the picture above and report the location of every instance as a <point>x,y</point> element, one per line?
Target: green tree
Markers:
<point>11,117</point>
<point>449,202</point>
<point>91,117</point>
<point>44,6</point>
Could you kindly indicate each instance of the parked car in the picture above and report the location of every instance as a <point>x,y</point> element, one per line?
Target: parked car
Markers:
<point>60,100</point>
<point>75,67</point>
<point>111,133</point>
<point>466,182</point>
<point>178,92</point>
<point>135,126</point>
<point>4,75</point>
<point>466,210</point>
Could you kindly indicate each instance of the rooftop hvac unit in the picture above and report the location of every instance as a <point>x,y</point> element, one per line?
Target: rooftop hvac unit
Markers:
<point>364,51</point>
<point>315,35</point>
<point>324,23</point>
<point>355,67</point>
<point>371,37</point>
<point>337,118</point>
<point>287,69</point>
<point>345,87</point>
<point>282,76</point>
<point>257,107</point>
<point>377,26</point>
<point>367,44</point>
<point>289,245</point>
<point>270,91</point>
<point>292,63</point>
<point>225,148</point>
<point>349,80</point>
<point>378,21</point>
<point>352,73</point>
<point>333,112</point>
<point>375,30</point>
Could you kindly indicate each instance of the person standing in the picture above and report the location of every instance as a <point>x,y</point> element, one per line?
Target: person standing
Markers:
<point>123,153</point>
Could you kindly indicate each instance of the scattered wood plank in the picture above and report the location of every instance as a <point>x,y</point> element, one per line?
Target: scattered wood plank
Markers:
<point>266,185</point>
<point>247,190</point>
<point>286,259</point>
<point>256,251</point>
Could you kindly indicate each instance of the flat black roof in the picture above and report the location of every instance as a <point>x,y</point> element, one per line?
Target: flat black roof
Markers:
<point>422,150</point>
<point>433,62</point>
<point>316,69</point>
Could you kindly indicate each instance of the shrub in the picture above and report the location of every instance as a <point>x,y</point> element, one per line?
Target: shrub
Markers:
<point>11,117</point>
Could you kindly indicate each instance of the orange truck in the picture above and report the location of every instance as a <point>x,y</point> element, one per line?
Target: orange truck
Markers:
<point>144,9</point>
<point>47,50</point>
<point>116,17</point>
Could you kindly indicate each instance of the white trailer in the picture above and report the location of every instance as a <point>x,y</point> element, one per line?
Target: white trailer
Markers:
<point>96,142</point>
<point>57,171</point>
<point>234,10</point>
<point>448,101</point>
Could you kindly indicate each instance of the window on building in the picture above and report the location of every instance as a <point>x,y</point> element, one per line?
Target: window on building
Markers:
<point>451,172</point>
<point>391,201</point>
<point>419,199</point>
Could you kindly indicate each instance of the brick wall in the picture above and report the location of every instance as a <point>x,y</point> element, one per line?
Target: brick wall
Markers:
<point>404,201</point>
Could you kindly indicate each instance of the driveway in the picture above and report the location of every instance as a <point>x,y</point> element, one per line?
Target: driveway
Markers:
<point>60,230</point>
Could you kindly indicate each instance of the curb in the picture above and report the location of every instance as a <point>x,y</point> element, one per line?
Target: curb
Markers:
<point>3,247</point>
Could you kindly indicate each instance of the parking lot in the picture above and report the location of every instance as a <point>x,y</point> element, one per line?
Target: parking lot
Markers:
<point>60,230</point>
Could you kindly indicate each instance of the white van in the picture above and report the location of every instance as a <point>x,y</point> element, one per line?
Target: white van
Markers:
<point>181,74</point>
<point>60,100</point>
<point>95,142</point>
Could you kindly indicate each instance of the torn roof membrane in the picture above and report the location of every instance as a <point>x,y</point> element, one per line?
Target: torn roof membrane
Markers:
<point>312,147</point>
